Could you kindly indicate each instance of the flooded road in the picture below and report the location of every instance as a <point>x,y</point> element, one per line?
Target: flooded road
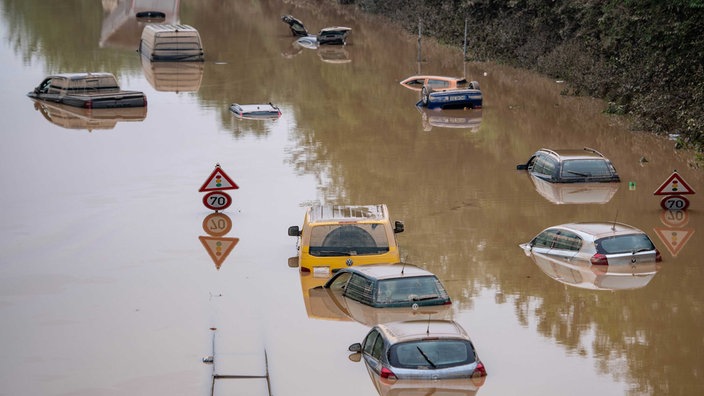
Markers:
<point>110,279</point>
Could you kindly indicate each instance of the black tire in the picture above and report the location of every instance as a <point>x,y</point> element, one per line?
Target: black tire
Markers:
<point>425,96</point>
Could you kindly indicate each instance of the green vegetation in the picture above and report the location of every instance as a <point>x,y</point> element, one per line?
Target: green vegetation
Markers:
<point>644,57</point>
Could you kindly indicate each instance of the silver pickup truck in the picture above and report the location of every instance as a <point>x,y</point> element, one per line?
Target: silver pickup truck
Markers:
<point>87,90</point>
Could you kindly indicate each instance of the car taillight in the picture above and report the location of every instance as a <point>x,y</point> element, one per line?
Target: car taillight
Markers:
<point>599,259</point>
<point>388,374</point>
<point>480,371</point>
<point>658,256</point>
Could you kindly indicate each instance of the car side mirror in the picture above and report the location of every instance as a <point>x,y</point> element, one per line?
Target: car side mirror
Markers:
<point>398,227</point>
<point>521,166</point>
<point>356,347</point>
<point>294,231</point>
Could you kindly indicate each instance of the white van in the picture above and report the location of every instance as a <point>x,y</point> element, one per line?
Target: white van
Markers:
<point>164,42</point>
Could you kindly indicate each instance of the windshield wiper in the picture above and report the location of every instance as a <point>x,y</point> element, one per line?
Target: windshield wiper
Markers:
<point>424,297</point>
<point>579,173</point>
<point>427,359</point>
<point>331,253</point>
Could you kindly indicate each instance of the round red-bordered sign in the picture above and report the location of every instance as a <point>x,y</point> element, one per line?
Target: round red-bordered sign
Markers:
<point>217,200</point>
<point>674,202</point>
<point>217,224</point>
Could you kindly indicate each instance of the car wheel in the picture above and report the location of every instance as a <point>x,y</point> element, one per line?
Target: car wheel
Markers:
<point>425,96</point>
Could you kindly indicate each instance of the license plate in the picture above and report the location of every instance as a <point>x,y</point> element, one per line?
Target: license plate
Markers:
<point>321,272</point>
<point>461,97</point>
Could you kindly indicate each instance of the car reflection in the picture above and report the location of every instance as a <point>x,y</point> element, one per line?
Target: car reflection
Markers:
<point>329,304</point>
<point>173,76</point>
<point>326,53</point>
<point>466,119</point>
<point>125,19</point>
<point>574,193</point>
<point>585,275</point>
<point>71,117</point>
<point>446,387</point>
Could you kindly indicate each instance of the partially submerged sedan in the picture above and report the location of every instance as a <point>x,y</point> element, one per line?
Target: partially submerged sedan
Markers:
<point>420,349</point>
<point>598,243</point>
<point>571,166</point>
<point>394,285</point>
<point>255,111</point>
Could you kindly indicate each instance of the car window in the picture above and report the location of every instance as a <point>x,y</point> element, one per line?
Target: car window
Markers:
<point>544,165</point>
<point>567,240</point>
<point>438,83</point>
<point>359,288</point>
<point>416,82</point>
<point>409,289</point>
<point>624,244</point>
<point>545,239</point>
<point>339,281</point>
<point>378,348</point>
<point>348,239</point>
<point>370,340</point>
<point>431,354</point>
<point>585,168</point>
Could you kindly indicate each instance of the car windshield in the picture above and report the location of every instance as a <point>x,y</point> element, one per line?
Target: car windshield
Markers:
<point>631,243</point>
<point>585,168</point>
<point>433,354</point>
<point>348,239</point>
<point>410,289</point>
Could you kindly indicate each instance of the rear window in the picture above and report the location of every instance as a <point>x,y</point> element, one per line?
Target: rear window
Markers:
<point>359,288</point>
<point>624,244</point>
<point>586,168</point>
<point>419,288</point>
<point>430,354</point>
<point>348,239</point>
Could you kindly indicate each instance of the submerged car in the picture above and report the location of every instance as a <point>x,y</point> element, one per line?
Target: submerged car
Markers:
<point>598,243</point>
<point>420,349</point>
<point>334,35</point>
<point>468,96</point>
<point>396,285</point>
<point>255,111</point>
<point>339,236</point>
<point>581,273</point>
<point>571,166</point>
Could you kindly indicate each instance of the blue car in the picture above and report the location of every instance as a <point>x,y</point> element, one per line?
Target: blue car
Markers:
<point>465,97</point>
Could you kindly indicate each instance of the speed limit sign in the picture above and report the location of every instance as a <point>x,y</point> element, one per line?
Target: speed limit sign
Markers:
<point>217,200</point>
<point>674,202</point>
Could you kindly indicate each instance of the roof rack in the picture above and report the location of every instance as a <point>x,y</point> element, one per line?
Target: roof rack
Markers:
<point>593,151</point>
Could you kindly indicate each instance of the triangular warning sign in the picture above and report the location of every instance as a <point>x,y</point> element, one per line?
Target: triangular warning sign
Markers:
<point>218,180</point>
<point>218,248</point>
<point>674,185</point>
<point>674,239</point>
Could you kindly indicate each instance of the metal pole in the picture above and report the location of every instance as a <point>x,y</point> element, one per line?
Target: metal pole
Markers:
<point>419,43</point>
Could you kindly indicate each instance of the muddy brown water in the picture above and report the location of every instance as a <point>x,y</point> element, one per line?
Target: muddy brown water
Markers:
<point>110,278</point>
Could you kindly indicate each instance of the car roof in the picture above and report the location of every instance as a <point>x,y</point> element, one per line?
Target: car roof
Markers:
<point>82,75</point>
<point>388,271</point>
<point>419,329</point>
<point>602,229</point>
<point>565,154</point>
<point>322,213</point>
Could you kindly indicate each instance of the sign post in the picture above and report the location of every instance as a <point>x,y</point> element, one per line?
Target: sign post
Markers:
<point>673,189</point>
<point>218,181</point>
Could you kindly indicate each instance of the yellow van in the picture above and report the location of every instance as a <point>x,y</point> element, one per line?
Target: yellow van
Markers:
<point>339,236</point>
<point>166,42</point>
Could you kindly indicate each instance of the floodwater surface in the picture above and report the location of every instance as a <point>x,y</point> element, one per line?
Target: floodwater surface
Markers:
<point>114,280</point>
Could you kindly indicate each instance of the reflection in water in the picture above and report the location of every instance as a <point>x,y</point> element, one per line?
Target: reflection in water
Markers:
<point>173,76</point>
<point>217,245</point>
<point>447,387</point>
<point>327,53</point>
<point>585,275</point>
<point>574,193</point>
<point>122,26</point>
<point>466,119</point>
<point>71,117</point>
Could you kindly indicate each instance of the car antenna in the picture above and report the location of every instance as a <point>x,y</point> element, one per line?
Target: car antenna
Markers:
<point>403,267</point>
<point>427,330</point>
<point>613,226</point>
